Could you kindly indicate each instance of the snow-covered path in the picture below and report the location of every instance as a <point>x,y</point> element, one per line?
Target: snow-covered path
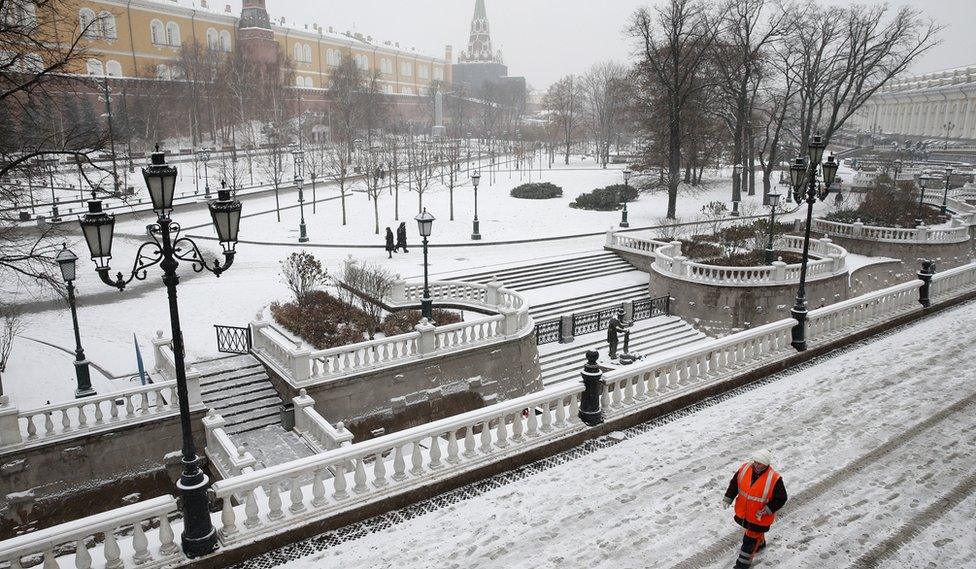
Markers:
<point>877,446</point>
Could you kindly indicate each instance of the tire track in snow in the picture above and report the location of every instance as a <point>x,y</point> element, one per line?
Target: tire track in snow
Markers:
<point>720,549</point>
<point>911,530</point>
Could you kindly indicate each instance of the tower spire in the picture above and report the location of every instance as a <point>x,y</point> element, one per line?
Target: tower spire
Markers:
<point>479,43</point>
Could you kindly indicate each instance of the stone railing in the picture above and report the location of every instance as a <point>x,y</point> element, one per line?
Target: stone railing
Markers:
<point>302,366</point>
<point>318,432</point>
<point>307,490</point>
<point>148,540</point>
<point>90,414</point>
<point>921,234</point>
<point>833,261</point>
<point>625,243</point>
<point>228,459</point>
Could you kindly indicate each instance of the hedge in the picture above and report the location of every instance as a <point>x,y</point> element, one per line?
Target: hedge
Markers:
<point>605,199</point>
<point>537,191</point>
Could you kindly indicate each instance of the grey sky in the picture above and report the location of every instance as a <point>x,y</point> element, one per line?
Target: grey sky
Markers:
<point>545,39</point>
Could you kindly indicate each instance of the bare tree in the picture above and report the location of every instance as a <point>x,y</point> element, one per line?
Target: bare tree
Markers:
<point>11,324</point>
<point>372,283</point>
<point>303,274</point>
<point>374,178</point>
<point>273,162</point>
<point>564,102</point>
<point>395,162</point>
<point>673,41</point>
<point>421,158</point>
<point>450,167</point>
<point>605,90</point>
<point>339,170</point>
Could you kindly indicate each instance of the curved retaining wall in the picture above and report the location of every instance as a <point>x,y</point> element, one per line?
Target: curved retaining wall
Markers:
<point>948,247</point>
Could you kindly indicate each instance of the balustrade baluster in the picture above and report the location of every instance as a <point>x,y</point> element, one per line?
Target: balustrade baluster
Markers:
<point>379,470</point>
<point>399,465</point>
<point>297,496</point>
<point>144,403</point>
<point>251,519</point>
<point>140,545</point>
<point>339,482</point>
<point>435,452</point>
<point>501,433</point>
<point>99,417</point>
<point>318,488</point>
<point>82,417</point>
<point>48,424</point>
<point>452,448</point>
<point>546,417</point>
<point>616,396</point>
<point>167,544</point>
<point>274,502</point>
<point>416,460</point>
<point>533,422</point>
<point>83,559</point>
<point>31,427</point>
<point>486,437</point>
<point>469,446</point>
<point>65,421</point>
<point>359,477</point>
<point>517,426</point>
<point>113,555</point>
<point>129,409</point>
<point>228,520</point>
<point>50,562</point>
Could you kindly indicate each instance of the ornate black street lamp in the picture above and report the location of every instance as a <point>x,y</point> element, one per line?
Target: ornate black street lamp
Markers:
<point>804,172</point>
<point>773,203</point>
<point>67,262</point>
<point>205,157</point>
<point>923,183</point>
<point>945,194</point>
<point>897,171</point>
<point>166,249</point>
<point>425,222</point>
<point>623,213</point>
<point>302,228</point>
<point>476,231</point>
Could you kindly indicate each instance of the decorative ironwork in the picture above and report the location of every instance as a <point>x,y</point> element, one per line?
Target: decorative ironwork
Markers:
<point>548,332</point>
<point>651,307</point>
<point>586,322</point>
<point>233,339</point>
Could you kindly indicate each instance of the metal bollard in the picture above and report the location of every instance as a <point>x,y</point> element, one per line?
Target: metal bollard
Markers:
<point>925,275</point>
<point>590,412</point>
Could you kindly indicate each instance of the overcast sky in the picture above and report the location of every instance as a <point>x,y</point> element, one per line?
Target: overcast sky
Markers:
<point>546,39</point>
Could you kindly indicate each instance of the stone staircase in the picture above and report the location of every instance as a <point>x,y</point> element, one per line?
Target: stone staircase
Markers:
<point>239,390</point>
<point>551,273</point>
<point>564,362</point>
<point>587,303</point>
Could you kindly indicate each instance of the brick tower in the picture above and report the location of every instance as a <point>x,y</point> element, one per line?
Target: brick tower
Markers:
<point>254,35</point>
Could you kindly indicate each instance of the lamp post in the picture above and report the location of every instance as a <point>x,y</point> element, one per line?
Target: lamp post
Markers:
<point>804,172</point>
<point>302,228</point>
<point>475,180</point>
<point>736,189</point>
<point>897,171</point>
<point>945,194</point>
<point>623,213</point>
<point>205,156</point>
<point>166,249</point>
<point>425,222</point>
<point>773,202</point>
<point>923,181</point>
<point>67,262</point>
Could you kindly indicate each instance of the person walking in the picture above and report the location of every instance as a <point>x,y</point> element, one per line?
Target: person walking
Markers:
<point>758,492</point>
<point>390,247</point>
<point>401,237</point>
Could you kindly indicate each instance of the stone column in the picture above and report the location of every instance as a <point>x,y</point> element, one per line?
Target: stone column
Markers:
<point>159,342</point>
<point>299,363</point>
<point>493,298</point>
<point>567,329</point>
<point>9,425</point>
<point>779,271</point>
<point>302,402</point>
<point>427,343</point>
<point>258,324</point>
<point>398,290</point>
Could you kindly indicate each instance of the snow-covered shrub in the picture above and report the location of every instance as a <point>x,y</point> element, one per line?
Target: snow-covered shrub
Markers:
<point>303,273</point>
<point>605,199</point>
<point>404,321</point>
<point>537,191</point>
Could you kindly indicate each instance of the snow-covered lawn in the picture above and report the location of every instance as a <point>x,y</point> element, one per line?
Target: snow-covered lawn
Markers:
<point>867,440</point>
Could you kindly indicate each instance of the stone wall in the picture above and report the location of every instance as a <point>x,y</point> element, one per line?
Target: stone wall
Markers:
<point>426,389</point>
<point>93,472</point>
<point>636,260</point>
<point>720,310</point>
<point>946,255</point>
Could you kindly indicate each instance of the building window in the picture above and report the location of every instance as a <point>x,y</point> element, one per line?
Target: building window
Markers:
<point>157,34</point>
<point>95,67</point>
<point>406,68</point>
<point>407,90</point>
<point>386,66</point>
<point>106,22</point>
<point>423,72</point>
<point>113,68</point>
<point>173,34</point>
<point>362,61</point>
<point>439,73</point>
<point>307,53</point>
<point>213,39</point>
<point>225,43</point>
<point>334,57</point>
<point>89,26</point>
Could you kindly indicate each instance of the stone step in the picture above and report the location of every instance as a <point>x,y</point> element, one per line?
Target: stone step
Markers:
<point>240,399</point>
<point>235,383</point>
<point>574,277</point>
<point>639,344</point>
<point>245,409</point>
<point>486,276</point>
<point>647,328</point>
<point>601,294</point>
<point>252,424</point>
<point>587,304</point>
<point>541,271</point>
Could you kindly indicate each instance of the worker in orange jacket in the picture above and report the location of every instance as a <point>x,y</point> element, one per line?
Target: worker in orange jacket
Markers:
<point>758,492</point>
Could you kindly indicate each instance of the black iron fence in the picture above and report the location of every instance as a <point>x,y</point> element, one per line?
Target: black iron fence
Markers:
<point>586,322</point>
<point>651,307</point>
<point>233,339</point>
<point>548,332</point>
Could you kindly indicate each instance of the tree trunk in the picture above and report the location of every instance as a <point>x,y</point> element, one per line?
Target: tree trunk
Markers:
<point>450,190</point>
<point>376,216</point>
<point>674,162</point>
<point>751,140</point>
<point>342,193</point>
<point>396,201</point>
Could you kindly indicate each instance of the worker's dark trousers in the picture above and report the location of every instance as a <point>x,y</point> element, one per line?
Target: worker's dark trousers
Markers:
<point>613,348</point>
<point>752,542</point>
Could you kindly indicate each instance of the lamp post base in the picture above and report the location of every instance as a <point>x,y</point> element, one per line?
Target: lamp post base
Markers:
<point>799,332</point>
<point>84,380</point>
<point>199,537</point>
<point>735,209</point>
<point>302,233</point>
<point>769,256</point>
<point>476,231</point>
<point>427,308</point>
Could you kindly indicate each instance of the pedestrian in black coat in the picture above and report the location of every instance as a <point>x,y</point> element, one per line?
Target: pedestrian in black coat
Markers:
<point>401,237</point>
<point>390,247</point>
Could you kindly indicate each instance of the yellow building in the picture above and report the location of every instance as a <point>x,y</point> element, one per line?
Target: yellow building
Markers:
<point>144,38</point>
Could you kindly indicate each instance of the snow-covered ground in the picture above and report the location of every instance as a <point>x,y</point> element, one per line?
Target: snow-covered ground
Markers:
<point>876,444</point>
<point>109,318</point>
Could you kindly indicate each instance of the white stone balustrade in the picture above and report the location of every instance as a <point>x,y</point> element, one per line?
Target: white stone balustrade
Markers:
<point>920,234</point>
<point>832,262</point>
<point>620,242</point>
<point>319,433</point>
<point>302,367</point>
<point>227,457</point>
<point>149,540</point>
<point>99,412</point>
<point>307,490</point>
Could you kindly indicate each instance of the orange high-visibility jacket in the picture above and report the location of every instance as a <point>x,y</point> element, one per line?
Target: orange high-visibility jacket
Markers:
<point>753,497</point>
